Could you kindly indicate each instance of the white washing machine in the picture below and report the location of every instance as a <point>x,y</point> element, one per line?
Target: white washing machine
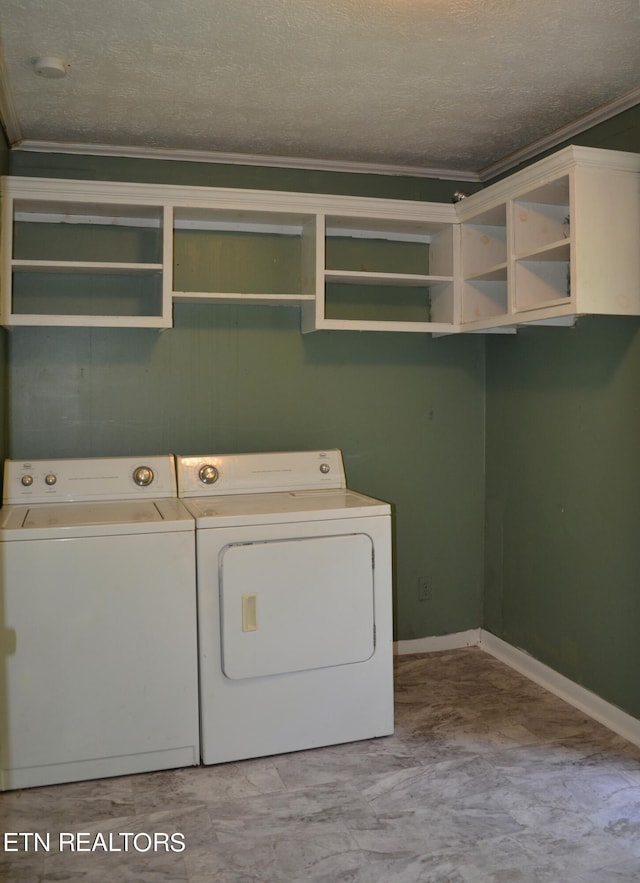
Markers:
<point>98,633</point>
<point>294,603</point>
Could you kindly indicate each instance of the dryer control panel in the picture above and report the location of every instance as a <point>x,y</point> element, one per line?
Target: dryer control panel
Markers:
<point>212,474</point>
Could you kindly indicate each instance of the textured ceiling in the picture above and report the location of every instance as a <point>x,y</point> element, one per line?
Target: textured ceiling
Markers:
<point>448,84</point>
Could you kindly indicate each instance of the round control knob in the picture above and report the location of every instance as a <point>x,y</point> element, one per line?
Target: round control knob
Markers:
<point>324,468</point>
<point>208,474</point>
<point>143,476</point>
<point>27,480</point>
<point>50,479</point>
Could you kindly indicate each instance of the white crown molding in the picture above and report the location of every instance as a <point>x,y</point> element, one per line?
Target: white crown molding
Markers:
<point>287,205</point>
<point>565,133</point>
<point>601,114</point>
<point>8,111</point>
<point>242,159</point>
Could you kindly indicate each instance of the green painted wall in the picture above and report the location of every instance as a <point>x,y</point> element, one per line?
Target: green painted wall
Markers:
<point>407,410</point>
<point>221,175</point>
<point>562,556</point>
<point>563,501</point>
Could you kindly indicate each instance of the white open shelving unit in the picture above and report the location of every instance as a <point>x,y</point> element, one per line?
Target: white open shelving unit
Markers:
<point>74,261</point>
<point>369,283</point>
<point>556,240</point>
<point>205,267</point>
<point>196,244</point>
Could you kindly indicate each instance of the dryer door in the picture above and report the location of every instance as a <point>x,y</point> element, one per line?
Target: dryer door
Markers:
<point>298,604</point>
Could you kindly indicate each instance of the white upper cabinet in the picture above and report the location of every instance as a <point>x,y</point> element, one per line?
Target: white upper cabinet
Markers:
<point>392,267</point>
<point>554,241</point>
<point>246,254</point>
<point>100,253</point>
<point>73,257</point>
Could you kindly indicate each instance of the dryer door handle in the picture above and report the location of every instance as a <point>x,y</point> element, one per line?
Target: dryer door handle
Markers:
<point>249,612</point>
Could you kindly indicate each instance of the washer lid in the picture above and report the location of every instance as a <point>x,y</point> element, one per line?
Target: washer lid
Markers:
<point>110,518</point>
<point>280,508</point>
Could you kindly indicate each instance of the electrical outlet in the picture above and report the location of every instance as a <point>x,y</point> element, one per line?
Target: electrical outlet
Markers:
<point>424,589</point>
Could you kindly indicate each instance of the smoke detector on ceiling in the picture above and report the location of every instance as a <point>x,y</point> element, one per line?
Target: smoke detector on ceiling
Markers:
<point>51,67</point>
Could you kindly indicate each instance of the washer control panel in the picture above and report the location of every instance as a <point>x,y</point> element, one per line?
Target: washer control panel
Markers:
<point>99,478</point>
<point>211,474</point>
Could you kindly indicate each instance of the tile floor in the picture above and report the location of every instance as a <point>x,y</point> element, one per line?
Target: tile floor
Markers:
<point>487,778</point>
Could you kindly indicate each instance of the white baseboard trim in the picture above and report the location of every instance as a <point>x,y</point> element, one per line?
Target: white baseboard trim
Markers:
<point>589,703</point>
<point>584,700</point>
<point>438,642</point>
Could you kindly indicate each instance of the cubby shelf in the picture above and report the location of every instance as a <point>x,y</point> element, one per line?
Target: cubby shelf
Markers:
<point>75,253</point>
<point>553,241</point>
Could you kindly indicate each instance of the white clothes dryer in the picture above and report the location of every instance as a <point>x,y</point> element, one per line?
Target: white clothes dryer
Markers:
<point>98,632</point>
<point>294,603</point>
